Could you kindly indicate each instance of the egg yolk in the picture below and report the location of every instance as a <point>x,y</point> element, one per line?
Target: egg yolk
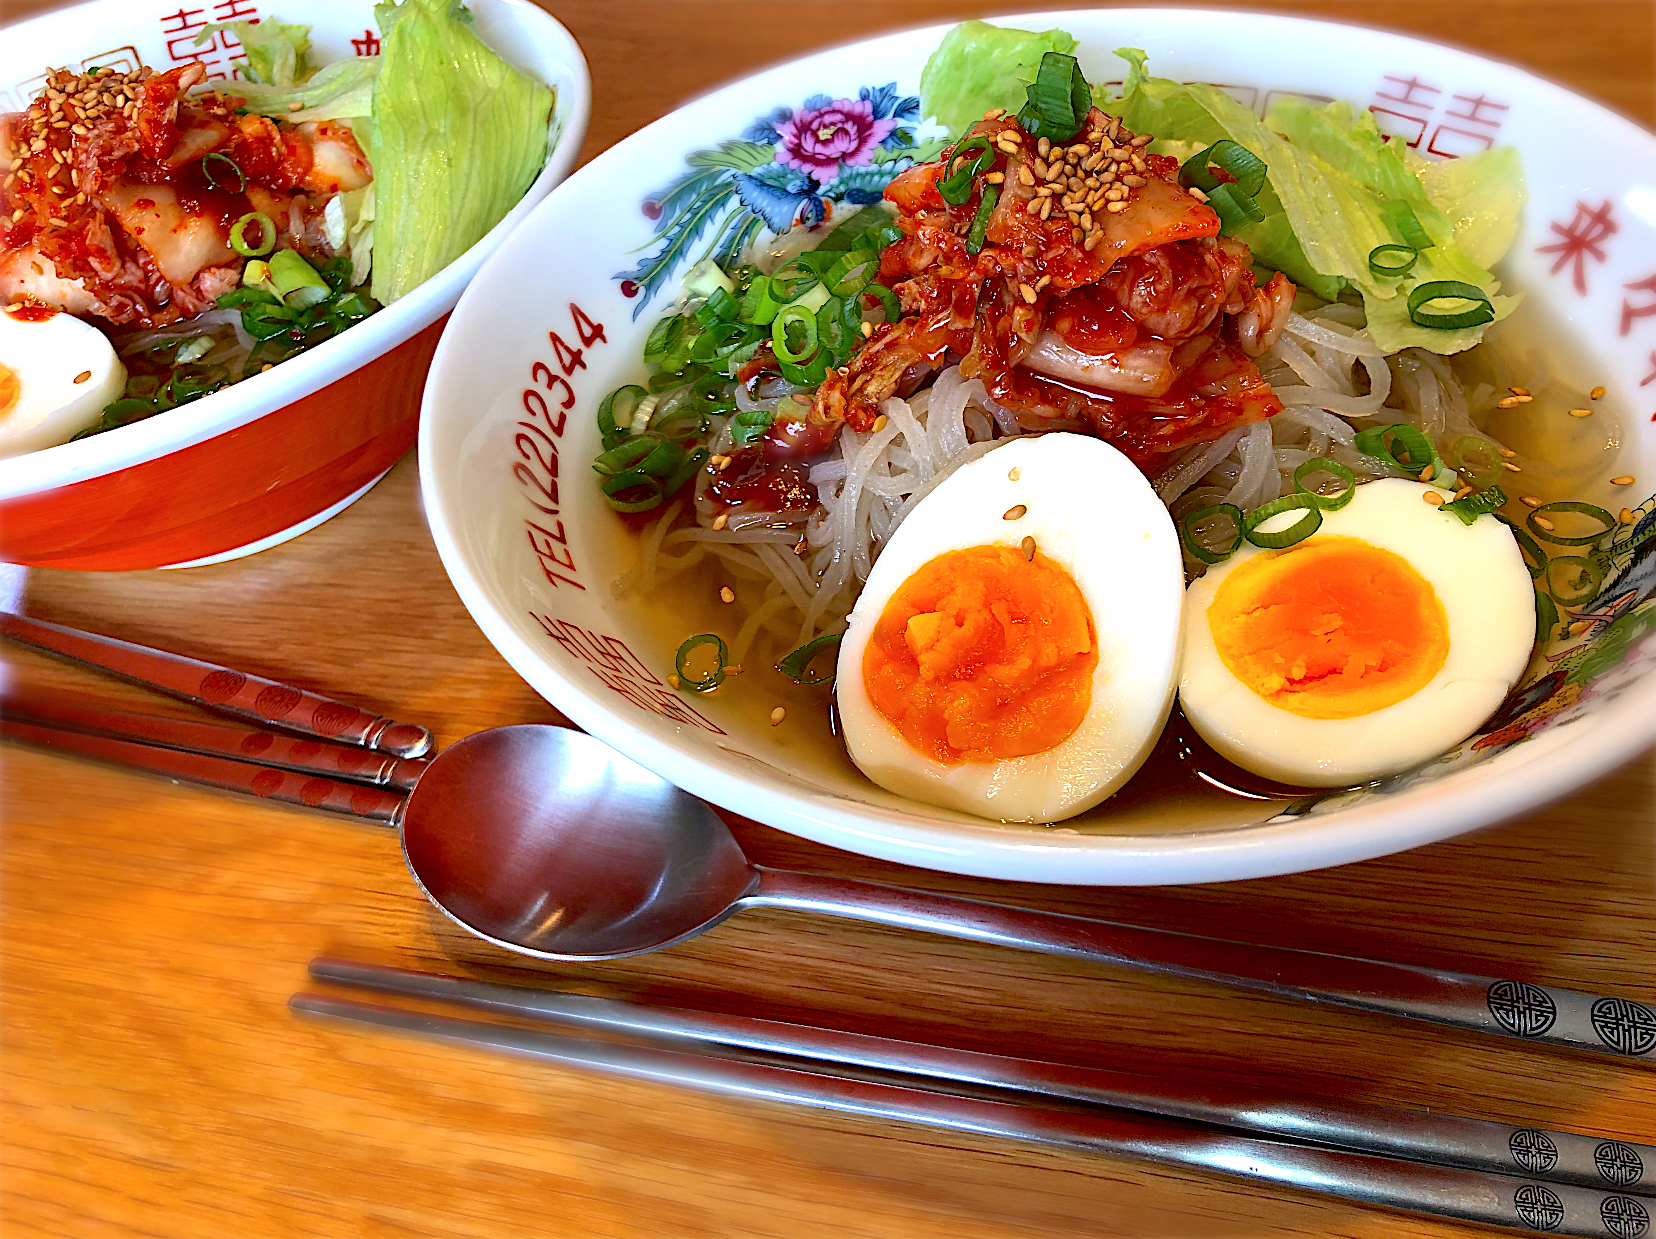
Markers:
<point>11,387</point>
<point>983,655</point>
<point>1331,628</point>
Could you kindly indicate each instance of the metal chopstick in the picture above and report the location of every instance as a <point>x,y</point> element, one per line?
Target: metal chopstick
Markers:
<point>239,694</point>
<point>1443,1139</point>
<point>1442,1191</point>
<point>232,740</point>
<point>375,804</point>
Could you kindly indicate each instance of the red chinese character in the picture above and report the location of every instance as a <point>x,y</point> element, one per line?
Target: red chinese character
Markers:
<point>1452,142</point>
<point>1651,377</point>
<point>1582,238</point>
<point>1411,103</point>
<point>1475,105</point>
<point>186,19</point>
<point>367,45</point>
<point>1410,86</point>
<point>1631,311</point>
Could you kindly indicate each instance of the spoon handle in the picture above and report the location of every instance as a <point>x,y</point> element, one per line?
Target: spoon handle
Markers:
<point>1506,1008</point>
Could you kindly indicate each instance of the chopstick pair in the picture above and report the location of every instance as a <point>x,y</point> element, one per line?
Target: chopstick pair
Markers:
<point>1525,1179</point>
<point>306,749</point>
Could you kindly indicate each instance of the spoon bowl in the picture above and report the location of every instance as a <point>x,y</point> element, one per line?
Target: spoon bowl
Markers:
<point>545,841</point>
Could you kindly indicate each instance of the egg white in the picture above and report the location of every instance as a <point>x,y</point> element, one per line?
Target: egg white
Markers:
<point>1478,574</point>
<point>47,356</point>
<point>1091,510</point>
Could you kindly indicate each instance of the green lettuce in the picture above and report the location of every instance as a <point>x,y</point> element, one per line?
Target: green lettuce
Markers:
<point>279,74</point>
<point>1330,173</point>
<point>978,67</point>
<point>458,137</point>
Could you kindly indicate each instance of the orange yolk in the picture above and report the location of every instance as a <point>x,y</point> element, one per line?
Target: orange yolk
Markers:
<point>983,655</point>
<point>1331,628</point>
<point>10,389</point>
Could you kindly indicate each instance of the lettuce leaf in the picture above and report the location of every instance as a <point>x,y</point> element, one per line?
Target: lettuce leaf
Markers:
<point>1330,173</point>
<point>978,67</point>
<point>458,137</point>
<point>278,74</point>
<point>278,54</point>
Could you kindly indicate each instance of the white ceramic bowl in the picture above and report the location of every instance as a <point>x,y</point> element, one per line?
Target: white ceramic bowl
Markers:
<point>270,457</point>
<point>508,435</point>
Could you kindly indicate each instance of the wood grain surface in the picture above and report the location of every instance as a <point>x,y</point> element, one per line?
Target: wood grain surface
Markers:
<point>153,1083</point>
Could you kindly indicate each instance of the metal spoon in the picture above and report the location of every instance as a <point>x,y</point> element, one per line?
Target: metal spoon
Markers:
<point>544,841</point>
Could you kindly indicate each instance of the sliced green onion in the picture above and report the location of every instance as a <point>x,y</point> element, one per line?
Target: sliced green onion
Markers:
<point>338,271</point>
<point>970,157</point>
<point>750,424</point>
<point>1475,505</point>
<point>193,350</point>
<point>208,162</point>
<point>1535,559</point>
<point>236,298</point>
<point>352,307</point>
<point>626,455</point>
<point>713,678</point>
<point>1297,532</point>
<point>615,413</point>
<point>722,305</point>
<point>1058,99</point>
<point>1322,464</point>
<point>1581,583</point>
<point>1401,216</point>
<point>792,280</point>
<point>760,303</point>
<point>267,235</point>
<point>1247,168</point>
<point>856,230</point>
<point>1235,209</point>
<point>851,272</point>
<point>1388,261</point>
<point>1477,459</point>
<point>837,336</point>
<point>797,664</point>
<point>887,300</point>
<point>1418,451</point>
<point>1190,536</point>
<point>808,375</point>
<point>685,422</point>
<point>791,317</point>
<point>615,487</point>
<point>980,221</point>
<point>1546,614</point>
<point>296,280</point>
<point>264,321</point>
<point>693,461</point>
<point>1449,290</point>
<point>664,337</point>
<point>1570,505</point>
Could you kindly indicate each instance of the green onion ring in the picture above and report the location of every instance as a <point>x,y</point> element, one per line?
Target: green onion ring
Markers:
<point>1591,572</point>
<point>692,462</point>
<point>1187,532</point>
<point>1379,264</point>
<point>792,280</point>
<point>805,320</point>
<point>1418,449</point>
<point>207,162</point>
<point>1477,459</point>
<point>722,304</point>
<point>714,678</point>
<point>1401,216</point>
<point>887,300</point>
<point>1299,531</point>
<point>1570,505</point>
<point>796,664</point>
<point>1328,503</point>
<point>1535,559</point>
<point>1057,101</point>
<point>1248,168</point>
<point>1444,290</point>
<point>1475,505</point>
<point>614,487</point>
<point>1546,614</point>
<point>750,424</point>
<point>980,221</point>
<point>955,184</point>
<point>852,271</point>
<point>267,235</point>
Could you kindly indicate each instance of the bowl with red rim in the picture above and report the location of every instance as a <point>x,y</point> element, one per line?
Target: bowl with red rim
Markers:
<point>266,459</point>
<point>509,434</point>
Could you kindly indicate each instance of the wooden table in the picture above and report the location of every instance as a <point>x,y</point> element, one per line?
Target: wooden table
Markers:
<point>154,1083</point>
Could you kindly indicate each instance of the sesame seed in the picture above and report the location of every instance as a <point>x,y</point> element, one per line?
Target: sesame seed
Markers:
<point>1116,208</point>
<point>1529,501</point>
<point>721,520</point>
<point>296,106</point>
<point>867,330</point>
<point>1519,391</point>
<point>83,376</point>
<point>1025,176</point>
<point>879,424</point>
<point>1509,402</point>
<point>995,178</point>
<point>777,715</point>
<point>726,594</point>
<point>1428,473</point>
<point>1034,207</point>
<point>1009,135</point>
<point>1010,148</point>
<point>1043,147</point>
<point>1014,473</point>
<point>1508,453</point>
<point>1625,479</point>
<point>1581,412</point>
<point>1579,627</point>
<point>1027,546</point>
<point>1433,497</point>
<point>1510,467</point>
<point>1596,394</point>
<point>1542,522</point>
<point>994,114</point>
<point>1142,140</point>
<point>1625,516</point>
<point>1046,207</point>
<point>1014,513</point>
<point>1027,293</point>
<point>1463,492</point>
<point>672,680</point>
<point>1092,240</point>
<point>1196,194</point>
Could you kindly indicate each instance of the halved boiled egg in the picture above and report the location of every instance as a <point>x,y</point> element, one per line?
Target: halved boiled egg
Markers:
<point>1377,643</point>
<point>1014,651</point>
<point>57,374</point>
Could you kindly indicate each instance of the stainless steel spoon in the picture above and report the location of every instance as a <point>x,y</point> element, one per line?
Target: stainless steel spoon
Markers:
<point>544,841</point>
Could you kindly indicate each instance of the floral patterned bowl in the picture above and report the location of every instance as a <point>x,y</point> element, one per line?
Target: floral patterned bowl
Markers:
<point>269,458</point>
<point>558,318</point>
